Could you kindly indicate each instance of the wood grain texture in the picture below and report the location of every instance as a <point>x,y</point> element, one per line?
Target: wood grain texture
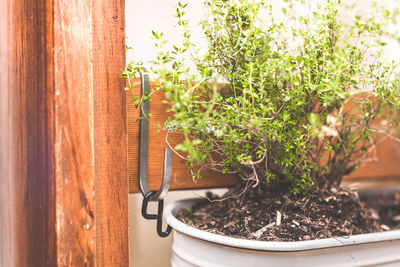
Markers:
<point>7,219</point>
<point>74,145</point>
<point>91,143</point>
<point>387,165</point>
<point>51,177</point>
<point>29,176</point>
<point>111,184</point>
<point>388,154</point>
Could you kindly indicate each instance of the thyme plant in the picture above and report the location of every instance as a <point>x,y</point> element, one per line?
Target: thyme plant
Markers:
<point>293,96</point>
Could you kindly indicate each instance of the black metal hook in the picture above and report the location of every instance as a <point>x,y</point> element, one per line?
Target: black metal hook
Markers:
<point>157,216</point>
<point>167,170</point>
<point>160,220</point>
<point>145,203</point>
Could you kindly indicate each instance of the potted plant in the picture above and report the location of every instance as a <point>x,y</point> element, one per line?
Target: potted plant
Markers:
<point>289,100</point>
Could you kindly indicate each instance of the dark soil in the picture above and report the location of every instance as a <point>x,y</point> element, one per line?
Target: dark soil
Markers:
<point>320,214</point>
<point>384,207</point>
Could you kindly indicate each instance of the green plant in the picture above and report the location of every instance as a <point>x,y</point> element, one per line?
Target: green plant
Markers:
<point>296,98</point>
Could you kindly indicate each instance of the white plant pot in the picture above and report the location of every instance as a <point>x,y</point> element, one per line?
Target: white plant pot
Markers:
<point>193,247</point>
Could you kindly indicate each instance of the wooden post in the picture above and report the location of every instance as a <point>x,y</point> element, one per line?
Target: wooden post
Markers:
<point>63,181</point>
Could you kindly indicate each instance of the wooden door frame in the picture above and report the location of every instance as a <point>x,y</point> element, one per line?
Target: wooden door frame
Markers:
<point>63,164</point>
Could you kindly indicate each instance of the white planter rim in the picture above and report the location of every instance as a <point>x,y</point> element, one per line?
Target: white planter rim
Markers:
<point>173,208</point>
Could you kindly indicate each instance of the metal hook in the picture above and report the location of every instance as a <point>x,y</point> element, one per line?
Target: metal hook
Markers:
<point>143,157</point>
<point>145,203</point>
<point>157,216</point>
<point>143,148</point>
<point>144,133</point>
<point>160,220</point>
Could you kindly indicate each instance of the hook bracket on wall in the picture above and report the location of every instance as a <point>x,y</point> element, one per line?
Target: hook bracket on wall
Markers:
<point>148,195</point>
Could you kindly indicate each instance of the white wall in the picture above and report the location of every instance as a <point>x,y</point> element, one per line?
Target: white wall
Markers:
<point>144,16</point>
